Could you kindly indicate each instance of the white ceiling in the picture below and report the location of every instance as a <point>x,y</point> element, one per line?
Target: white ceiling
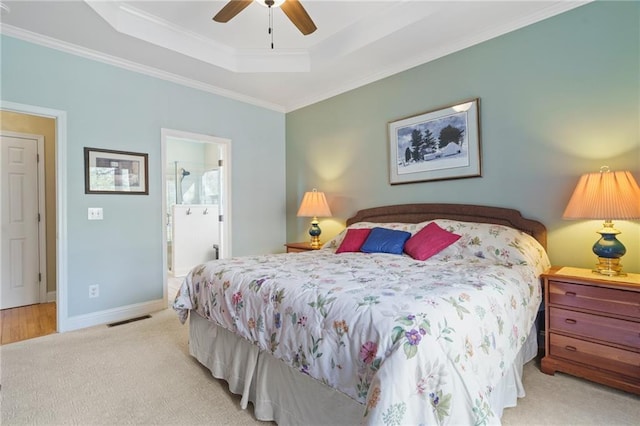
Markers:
<point>357,41</point>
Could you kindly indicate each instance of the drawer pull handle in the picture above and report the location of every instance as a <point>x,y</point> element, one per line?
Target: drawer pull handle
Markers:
<point>571,348</point>
<point>570,293</point>
<point>570,321</point>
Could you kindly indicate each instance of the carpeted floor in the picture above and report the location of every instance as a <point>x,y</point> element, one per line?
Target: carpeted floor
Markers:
<point>141,373</point>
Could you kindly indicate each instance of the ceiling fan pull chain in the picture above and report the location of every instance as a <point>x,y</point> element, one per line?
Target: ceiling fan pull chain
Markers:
<point>271,25</point>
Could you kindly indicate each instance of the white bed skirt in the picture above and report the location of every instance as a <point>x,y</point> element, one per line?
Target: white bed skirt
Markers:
<point>282,394</point>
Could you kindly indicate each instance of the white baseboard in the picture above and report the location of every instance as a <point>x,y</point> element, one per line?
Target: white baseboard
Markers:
<point>112,315</point>
<point>51,296</point>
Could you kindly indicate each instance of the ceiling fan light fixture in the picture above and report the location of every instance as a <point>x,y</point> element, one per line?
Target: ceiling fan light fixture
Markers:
<point>292,8</point>
<point>274,3</point>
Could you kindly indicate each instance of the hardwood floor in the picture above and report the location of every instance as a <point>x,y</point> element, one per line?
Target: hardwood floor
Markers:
<point>27,322</point>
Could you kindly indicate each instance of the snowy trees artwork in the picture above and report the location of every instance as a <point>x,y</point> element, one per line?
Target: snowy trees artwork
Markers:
<point>441,144</point>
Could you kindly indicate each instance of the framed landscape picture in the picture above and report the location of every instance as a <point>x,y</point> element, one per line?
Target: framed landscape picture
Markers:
<point>436,145</point>
<point>115,172</point>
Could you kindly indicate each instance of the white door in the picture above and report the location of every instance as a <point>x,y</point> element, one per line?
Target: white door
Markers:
<point>19,217</point>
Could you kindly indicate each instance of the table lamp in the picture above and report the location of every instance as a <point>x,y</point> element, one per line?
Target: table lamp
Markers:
<point>314,204</point>
<point>606,195</point>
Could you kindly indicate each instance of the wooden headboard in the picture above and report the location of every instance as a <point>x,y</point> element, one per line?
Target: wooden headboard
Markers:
<point>416,213</point>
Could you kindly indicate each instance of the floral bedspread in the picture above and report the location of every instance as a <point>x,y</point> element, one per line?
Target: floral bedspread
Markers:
<point>415,342</point>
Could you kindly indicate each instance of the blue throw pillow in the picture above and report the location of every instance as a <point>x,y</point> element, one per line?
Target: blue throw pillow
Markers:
<point>383,240</point>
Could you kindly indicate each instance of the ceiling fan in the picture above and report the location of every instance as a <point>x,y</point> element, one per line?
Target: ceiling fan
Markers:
<point>292,8</point>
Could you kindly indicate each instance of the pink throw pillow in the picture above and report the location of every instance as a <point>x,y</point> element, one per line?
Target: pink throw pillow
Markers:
<point>353,240</point>
<point>429,241</point>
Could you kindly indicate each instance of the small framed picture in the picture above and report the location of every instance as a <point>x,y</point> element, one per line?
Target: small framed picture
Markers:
<point>436,145</point>
<point>115,172</point>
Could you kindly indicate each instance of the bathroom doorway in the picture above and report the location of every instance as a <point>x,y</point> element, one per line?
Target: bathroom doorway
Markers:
<point>196,202</point>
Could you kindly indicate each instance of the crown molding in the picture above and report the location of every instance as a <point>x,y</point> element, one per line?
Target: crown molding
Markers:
<point>457,45</point>
<point>52,43</point>
<point>134,22</point>
<point>310,98</point>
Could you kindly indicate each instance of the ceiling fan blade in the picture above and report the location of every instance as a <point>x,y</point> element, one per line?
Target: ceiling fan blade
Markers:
<point>231,9</point>
<point>299,16</point>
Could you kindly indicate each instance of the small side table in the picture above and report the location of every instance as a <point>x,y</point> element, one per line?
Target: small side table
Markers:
<point>299,247</point>
<point>593,326</point>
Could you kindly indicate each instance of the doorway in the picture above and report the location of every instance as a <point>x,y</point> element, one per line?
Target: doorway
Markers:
<point>52,124</point>
<point>23,247</point>
<point>196,203</point>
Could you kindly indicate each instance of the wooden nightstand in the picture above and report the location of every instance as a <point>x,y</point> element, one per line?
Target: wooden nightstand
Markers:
<point>593,326</point>
<point>298,247</point>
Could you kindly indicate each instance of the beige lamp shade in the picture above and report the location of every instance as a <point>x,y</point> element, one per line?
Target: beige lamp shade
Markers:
<point>605,195</point>
<point>314,204</point>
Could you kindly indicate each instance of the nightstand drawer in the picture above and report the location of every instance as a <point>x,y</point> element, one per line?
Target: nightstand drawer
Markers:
<point>594,298</point>
<point>612,330</point>
<point>602,356</point>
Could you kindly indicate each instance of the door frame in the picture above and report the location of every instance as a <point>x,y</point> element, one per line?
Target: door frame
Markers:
<point>225,228</point>
<point>42,210</point>
<point>61,201</point>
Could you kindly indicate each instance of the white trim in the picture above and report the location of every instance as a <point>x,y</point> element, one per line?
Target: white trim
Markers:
<point>61,200</point>
<point>42,223</point>
<point>113,315</point>
<point>51,297</point>
<point>225,153</point>
<point>163,219</point>
<point>94,55</point>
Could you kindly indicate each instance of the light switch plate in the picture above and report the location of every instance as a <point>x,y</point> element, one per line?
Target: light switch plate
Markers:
<point>95,213</point>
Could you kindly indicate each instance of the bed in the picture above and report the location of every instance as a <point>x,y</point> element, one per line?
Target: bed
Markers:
<point>337,336</point>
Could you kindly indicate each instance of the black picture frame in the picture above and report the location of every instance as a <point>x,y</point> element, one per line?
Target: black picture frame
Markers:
<point>108,171</point>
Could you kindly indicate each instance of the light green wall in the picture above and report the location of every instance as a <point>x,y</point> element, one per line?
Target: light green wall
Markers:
<point>110,107</point>
<point>557,99</point>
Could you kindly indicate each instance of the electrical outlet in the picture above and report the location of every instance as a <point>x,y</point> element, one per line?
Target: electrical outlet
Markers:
<point>95,213</point>
<point>94,291</point>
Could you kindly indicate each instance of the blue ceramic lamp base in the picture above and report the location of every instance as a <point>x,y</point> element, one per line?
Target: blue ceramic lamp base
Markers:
<point>315,232</point>
<point>609,251</point>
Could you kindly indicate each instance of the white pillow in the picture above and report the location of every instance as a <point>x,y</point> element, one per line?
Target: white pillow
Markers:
<point>503,244</point>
